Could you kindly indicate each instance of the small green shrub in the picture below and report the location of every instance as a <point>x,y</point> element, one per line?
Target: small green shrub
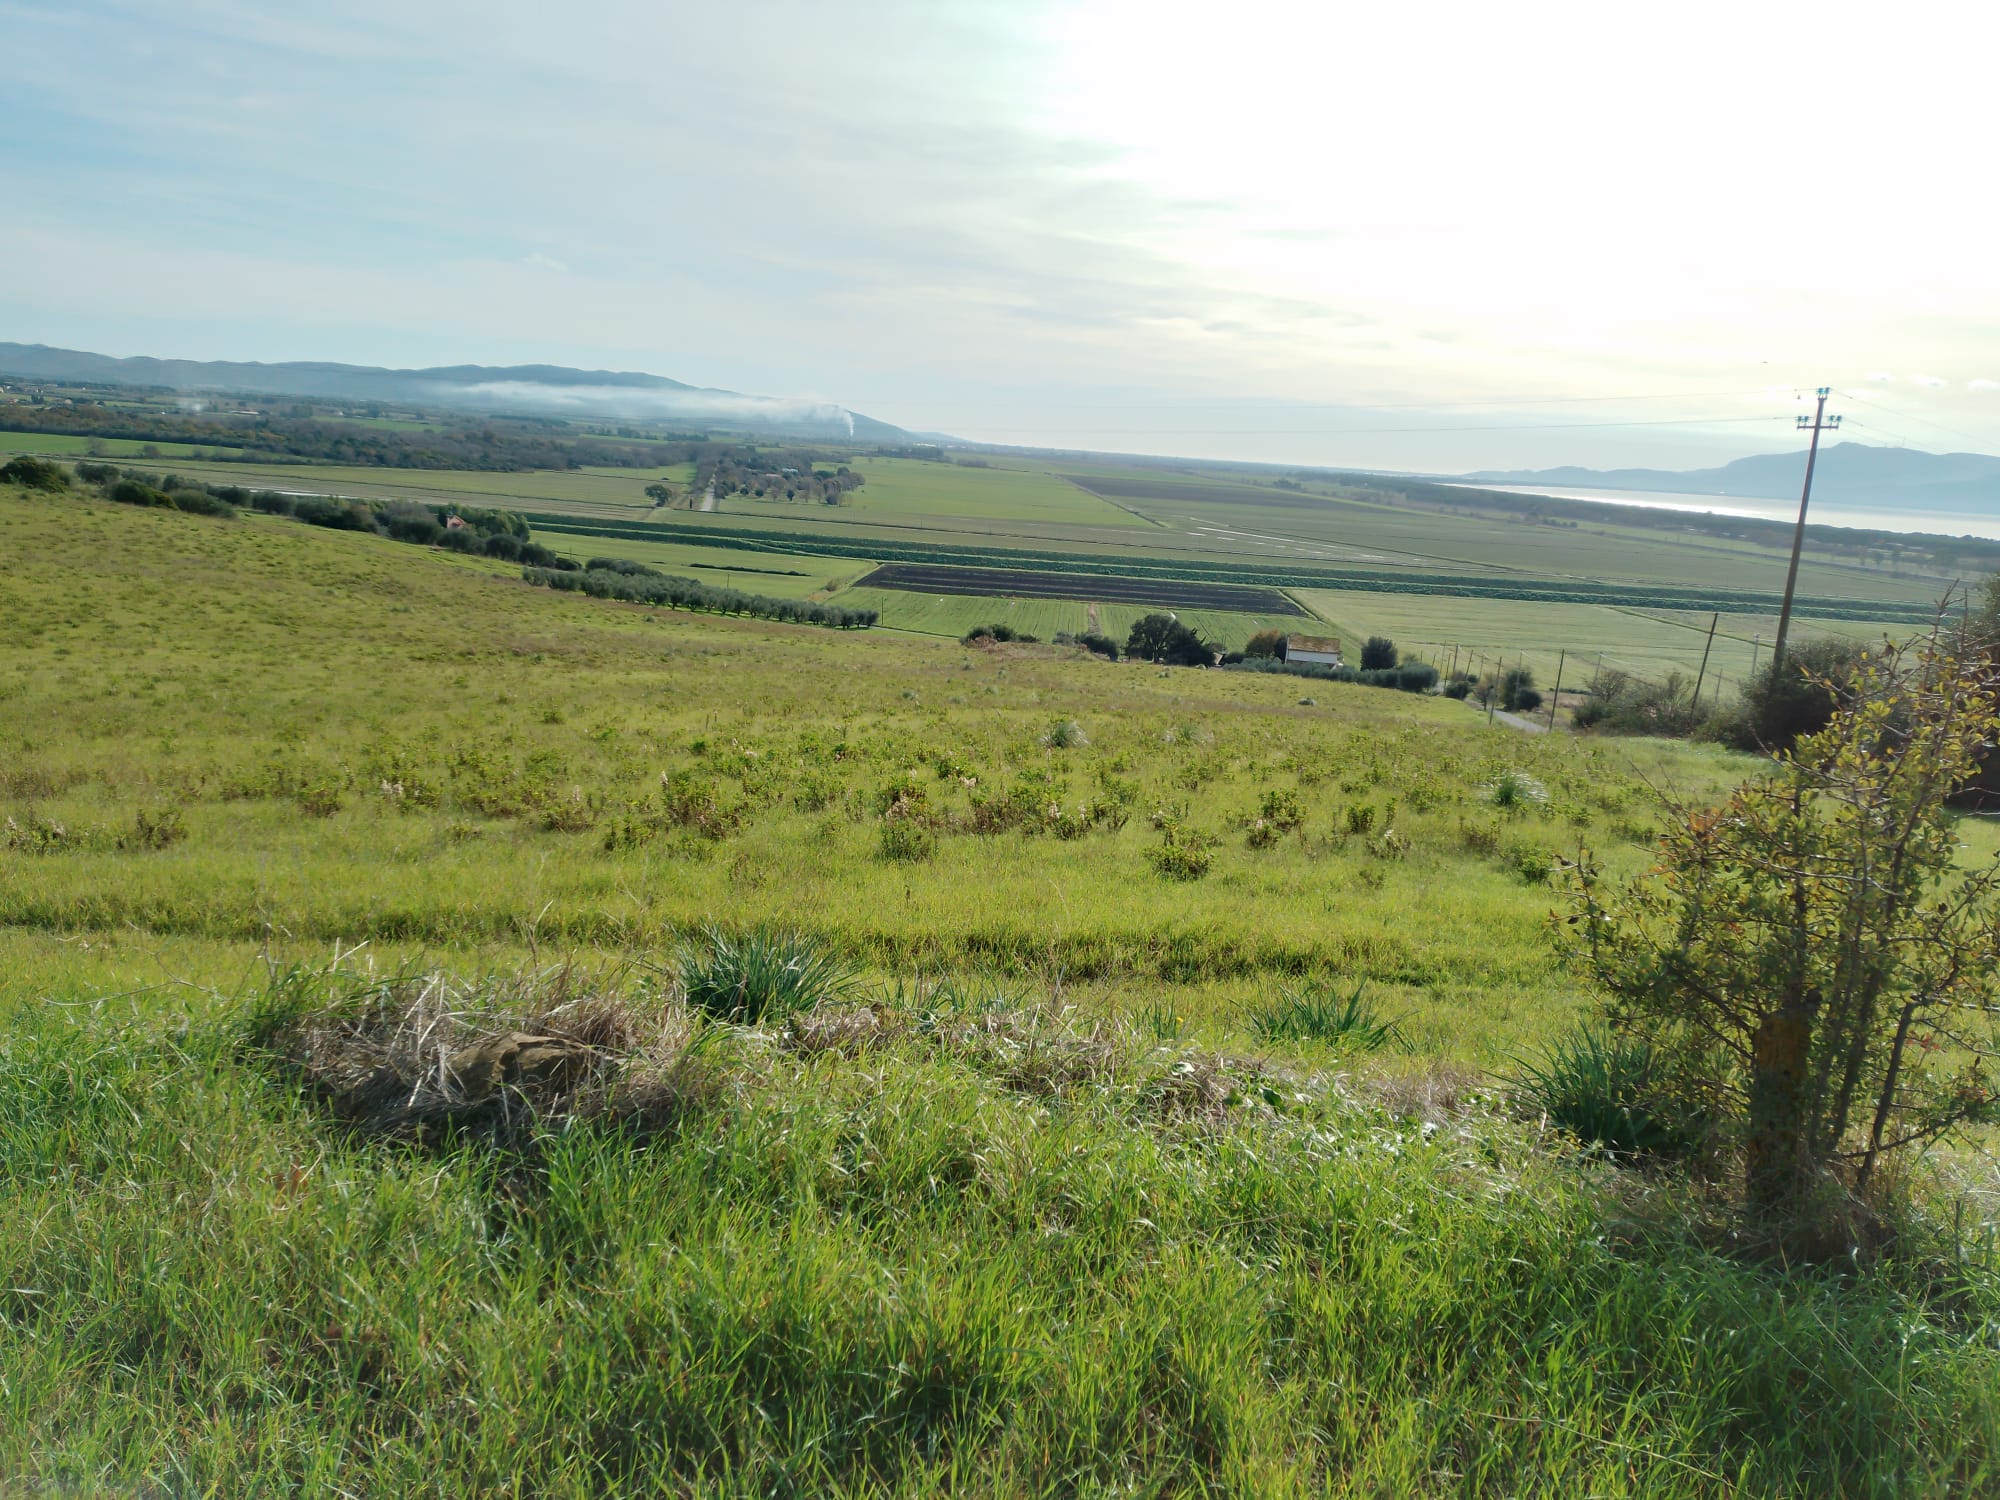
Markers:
<point>1064,734</point>
<point>1282,809</point>
<point>1314,1013</point>
<point>41,835</point>
<point>1183,853</point>
<point>907,841</point>
<point>320,798</point>
<point>1531,862</point>
<point>156,828</point>
<point>1517,791</point>
<point>1606,1091</point>
<point>761,974</point>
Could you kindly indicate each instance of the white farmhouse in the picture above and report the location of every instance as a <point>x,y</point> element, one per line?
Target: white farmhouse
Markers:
<point>1321,649</point>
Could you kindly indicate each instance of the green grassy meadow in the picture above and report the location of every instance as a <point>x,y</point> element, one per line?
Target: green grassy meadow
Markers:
<point>913,487</point>
<point>63,445</point>
<point>1037,1208</point>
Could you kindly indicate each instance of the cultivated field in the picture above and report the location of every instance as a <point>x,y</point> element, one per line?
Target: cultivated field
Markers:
<point>1152,592</point>
<point>1044,1202</point>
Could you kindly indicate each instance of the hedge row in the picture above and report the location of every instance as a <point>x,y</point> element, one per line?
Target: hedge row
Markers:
<point>1410,677</point>
<point>638,585</point>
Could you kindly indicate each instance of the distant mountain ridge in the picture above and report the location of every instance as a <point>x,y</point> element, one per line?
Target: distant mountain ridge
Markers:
<point>535,390</point>
<point>1851,472</point>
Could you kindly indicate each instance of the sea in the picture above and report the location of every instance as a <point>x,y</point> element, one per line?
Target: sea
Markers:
<point>1823,513</point>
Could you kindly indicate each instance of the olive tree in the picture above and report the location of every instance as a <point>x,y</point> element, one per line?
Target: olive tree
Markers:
<point>1815,958</point>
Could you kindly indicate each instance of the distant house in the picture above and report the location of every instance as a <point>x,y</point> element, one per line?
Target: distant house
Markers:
<point>1321,649</point>
<point>454,523</point>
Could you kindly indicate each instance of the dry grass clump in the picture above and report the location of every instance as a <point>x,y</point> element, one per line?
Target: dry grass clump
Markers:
<point>1436,1093</point>
<point>1215,1088</point>
<point>843,1029</point>
<point>421,1056</point>
<point>1031,1050</point>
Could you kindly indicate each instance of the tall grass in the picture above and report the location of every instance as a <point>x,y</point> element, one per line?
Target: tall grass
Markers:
<point>884,1274</point>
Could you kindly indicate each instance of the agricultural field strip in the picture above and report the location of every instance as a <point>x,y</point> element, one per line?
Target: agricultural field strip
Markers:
<point>1554,590</point>
<point>598,495</point>
<point>1000,583</point>
<point>1190,494</point>
<point>1225,525</point>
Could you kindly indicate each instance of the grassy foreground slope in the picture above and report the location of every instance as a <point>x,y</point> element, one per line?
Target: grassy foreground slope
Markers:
<point>1050,1221</point>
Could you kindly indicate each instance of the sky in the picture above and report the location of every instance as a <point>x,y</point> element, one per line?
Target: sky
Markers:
<point>1431,237</point>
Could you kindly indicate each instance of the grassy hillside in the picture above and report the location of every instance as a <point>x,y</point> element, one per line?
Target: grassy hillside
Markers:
<point>1042,1206</point>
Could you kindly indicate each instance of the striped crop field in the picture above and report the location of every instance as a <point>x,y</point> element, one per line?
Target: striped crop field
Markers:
<point>1008,583</point>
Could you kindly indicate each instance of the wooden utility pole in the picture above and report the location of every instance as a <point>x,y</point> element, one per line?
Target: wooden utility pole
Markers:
<point>1819,423</point>
<point>1555,698</point>
<point>1700,676</point>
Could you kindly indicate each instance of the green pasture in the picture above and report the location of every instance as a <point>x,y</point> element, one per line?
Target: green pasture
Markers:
<point>66,446</point>
<point>779,574</point>
<point>1034,1208</point>
<point>908,486</point>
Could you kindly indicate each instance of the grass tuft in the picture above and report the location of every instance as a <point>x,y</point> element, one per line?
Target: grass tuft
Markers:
<point>1314,1013</point>
<point>762,974</point>
<point>1605,1090</point>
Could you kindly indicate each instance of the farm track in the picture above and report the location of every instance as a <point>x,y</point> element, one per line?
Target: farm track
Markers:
<point>916,578</point>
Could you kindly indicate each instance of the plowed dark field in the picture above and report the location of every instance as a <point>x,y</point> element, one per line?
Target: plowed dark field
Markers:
<point>1007,583</point>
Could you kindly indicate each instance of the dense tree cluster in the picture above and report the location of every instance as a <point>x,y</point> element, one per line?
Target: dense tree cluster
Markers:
<point>1162,638</point>
<point>799,475</point>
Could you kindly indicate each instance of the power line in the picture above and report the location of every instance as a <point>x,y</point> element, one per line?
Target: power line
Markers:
<point>1259,402</point>
<point>1335,431</point>
<point>1911,416</point>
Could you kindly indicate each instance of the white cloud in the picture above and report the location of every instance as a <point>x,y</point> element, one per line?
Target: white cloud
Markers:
<point>1982,384</point>
<point>1017,218</point>
<point>1929,380</point>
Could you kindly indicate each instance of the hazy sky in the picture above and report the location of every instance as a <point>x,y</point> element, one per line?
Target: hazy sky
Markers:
<point>1412,235</point>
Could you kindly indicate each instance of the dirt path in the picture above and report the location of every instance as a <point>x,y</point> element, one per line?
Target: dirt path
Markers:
<point>707,501</point>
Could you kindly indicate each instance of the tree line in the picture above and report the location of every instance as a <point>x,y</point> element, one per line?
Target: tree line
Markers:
<point>471,529</point>
<point>502,444</point>
<point>635,583</point>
